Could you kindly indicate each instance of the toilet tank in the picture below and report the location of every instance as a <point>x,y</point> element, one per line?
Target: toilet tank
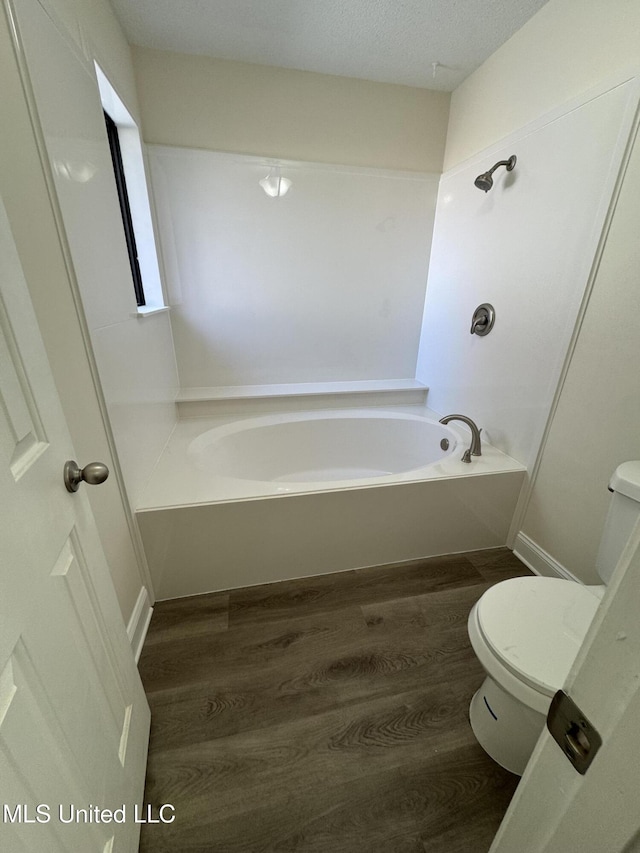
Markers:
<point>624,512</point>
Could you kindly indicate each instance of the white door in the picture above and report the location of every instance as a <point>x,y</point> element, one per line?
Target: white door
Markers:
<point>555,809</point>
<point>74,720</point>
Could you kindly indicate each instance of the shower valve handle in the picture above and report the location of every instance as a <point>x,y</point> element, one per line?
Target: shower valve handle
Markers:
<point>483,319</point>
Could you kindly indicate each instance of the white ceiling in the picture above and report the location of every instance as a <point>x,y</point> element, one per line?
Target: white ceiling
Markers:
<point>390,41</point>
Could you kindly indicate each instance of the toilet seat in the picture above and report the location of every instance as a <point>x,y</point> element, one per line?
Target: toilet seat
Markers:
<point>534,627</point>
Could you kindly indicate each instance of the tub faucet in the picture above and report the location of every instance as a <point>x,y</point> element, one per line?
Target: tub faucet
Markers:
<point>475,448</point>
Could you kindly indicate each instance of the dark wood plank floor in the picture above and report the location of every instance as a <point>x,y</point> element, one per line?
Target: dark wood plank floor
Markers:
<point>324,715</point>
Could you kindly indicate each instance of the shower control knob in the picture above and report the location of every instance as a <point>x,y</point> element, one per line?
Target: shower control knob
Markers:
<point>94,473</point>
<point>483,319</point>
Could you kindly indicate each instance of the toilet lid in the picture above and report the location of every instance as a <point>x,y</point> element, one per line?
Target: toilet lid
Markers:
<point>536,625</point>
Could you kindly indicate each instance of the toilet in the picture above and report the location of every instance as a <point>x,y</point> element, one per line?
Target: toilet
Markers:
<point>526,633</point>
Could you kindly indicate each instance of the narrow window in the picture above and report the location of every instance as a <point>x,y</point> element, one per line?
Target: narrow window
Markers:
<point>125,210</point>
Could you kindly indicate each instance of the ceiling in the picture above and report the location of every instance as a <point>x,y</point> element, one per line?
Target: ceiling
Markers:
<point>389,41</point>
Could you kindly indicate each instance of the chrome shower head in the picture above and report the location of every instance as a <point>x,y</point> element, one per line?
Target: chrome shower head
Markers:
<point>485,181</point>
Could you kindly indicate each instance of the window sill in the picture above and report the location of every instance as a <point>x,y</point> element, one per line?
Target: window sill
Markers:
<point>147,311</point>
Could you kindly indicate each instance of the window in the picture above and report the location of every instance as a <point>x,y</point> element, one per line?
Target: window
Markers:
<point>125,209</point>
<point>135,204</point>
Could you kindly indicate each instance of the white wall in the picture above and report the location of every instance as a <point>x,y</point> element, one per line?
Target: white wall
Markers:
<point>526,247</point>
<point>219,105</point>
<point>596,425</point>
<point>324,284</point>
<point>567,47</point>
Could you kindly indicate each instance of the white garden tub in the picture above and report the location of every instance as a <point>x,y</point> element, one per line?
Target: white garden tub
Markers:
<point>328,447</point>
<point>234,502</point>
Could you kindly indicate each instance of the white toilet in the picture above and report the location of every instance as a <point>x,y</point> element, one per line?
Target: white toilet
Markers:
<point>527,631</point>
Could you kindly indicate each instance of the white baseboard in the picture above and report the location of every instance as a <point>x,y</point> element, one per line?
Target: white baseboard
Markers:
<point>539,561</point>
<point>139,622</point>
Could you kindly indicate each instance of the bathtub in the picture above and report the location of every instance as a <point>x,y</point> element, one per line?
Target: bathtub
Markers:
<point>240,501</point>
<point>323,449</point>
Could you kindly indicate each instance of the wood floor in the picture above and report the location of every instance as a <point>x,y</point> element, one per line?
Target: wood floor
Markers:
<point>324,715</point>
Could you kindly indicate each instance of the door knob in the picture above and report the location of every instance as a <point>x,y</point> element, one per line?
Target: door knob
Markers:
<point>94,473</point>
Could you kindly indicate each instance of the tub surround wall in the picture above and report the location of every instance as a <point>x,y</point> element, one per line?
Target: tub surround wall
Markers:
<point>138,374</point>
<point>324,284</point>
<point>564,49</point>
<point>527,247</point>
<point>134,356</point>
<point>90,30</point>
<point>200,102</point>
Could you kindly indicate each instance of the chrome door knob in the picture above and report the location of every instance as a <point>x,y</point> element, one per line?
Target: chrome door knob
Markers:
<point>94,473</point>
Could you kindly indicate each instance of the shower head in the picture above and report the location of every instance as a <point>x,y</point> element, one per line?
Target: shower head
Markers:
<point>485,180</point>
